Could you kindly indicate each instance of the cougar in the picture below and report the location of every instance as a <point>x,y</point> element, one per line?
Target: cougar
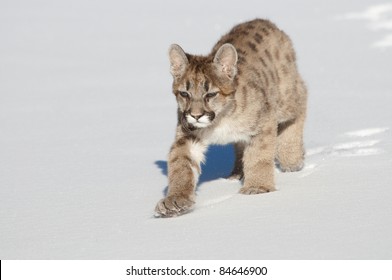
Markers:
<point>248,92</point>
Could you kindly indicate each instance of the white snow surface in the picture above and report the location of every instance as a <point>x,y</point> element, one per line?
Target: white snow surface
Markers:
<point>87,118</point>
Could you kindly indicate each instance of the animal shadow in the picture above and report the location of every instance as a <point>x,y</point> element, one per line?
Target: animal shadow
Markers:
<point>219,164</point>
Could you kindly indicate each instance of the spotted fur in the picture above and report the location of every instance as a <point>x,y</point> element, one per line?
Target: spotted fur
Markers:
<point>247,91</point>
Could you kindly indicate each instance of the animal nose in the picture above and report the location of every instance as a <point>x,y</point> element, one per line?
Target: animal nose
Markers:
<point>196,116</point>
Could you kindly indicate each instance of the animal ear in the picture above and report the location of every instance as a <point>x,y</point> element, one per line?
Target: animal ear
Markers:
<point>226,60</point>
<point>178,61</point>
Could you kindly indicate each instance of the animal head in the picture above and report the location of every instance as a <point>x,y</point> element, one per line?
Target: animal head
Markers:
<point>203,85</point>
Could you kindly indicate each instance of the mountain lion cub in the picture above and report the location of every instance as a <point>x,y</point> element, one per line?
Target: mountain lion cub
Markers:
<point>247,91</point>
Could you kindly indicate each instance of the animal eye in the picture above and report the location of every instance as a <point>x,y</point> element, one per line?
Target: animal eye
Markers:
<point>184,94</point>
<point>211,94</point>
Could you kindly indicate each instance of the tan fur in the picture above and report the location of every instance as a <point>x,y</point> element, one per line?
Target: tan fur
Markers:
<point>248,92</point>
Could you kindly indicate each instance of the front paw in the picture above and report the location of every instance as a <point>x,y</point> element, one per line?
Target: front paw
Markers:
<point>256,190</point>
<point>172,206</point>
<point>291,167</point>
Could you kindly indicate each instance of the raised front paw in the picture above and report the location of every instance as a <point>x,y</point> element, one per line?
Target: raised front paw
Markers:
<point>256,190</point>
<point>172,206</point>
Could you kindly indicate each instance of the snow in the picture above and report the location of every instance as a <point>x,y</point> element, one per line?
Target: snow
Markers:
<point>378,17</point>
<point>87,119</point>
<point>367,132</point>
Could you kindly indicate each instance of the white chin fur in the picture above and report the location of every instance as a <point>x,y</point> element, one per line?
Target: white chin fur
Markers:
<point>204,121</point>
<point>201,125</point>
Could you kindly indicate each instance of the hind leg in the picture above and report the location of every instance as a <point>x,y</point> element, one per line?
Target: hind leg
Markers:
<point>290,149</point>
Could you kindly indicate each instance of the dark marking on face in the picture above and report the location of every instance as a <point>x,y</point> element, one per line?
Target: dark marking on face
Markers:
<point>206,86</point>
<point>185,126</point>
<point>188,85</point>
<point>211,115</point>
